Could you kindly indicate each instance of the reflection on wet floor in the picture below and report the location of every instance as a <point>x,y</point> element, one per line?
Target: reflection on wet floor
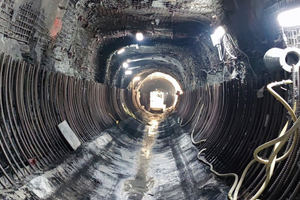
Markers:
<point>138,187</point>
<point>131,161</point>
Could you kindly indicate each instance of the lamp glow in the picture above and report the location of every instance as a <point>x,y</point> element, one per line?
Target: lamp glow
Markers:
<point>125,65</point>
<point>128,72</point>
<point>137,78</point>
<point>289,18</point>
<point>139,36</point>
<point>121,51</point>
<point>217,35</point>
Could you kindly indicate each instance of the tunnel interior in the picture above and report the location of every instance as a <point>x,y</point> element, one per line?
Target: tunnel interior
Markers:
<point>149,99</point>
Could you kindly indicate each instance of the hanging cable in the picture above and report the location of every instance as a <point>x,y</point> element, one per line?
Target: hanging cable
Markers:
<point>278,144</point>
<point>236,178</point>
<point>192,134</point>
<point>235,45</point>
<point>225,46</point>
<point>219,46</point>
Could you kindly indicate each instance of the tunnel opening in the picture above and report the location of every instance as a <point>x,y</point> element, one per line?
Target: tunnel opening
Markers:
<point>156,93</point>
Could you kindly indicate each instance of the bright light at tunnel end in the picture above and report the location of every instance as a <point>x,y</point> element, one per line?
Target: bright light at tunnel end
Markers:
<point>139,36</point>
<point>160,75</point>
<point>289,18</point>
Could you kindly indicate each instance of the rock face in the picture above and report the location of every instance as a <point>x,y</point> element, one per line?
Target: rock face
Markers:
<point>129,162</point>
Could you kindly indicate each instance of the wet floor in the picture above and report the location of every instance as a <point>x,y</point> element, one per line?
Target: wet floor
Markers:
<point>131,161</point>
<point>142,182</point>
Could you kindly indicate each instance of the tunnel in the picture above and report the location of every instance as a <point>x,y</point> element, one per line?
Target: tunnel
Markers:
<point>149,99</point>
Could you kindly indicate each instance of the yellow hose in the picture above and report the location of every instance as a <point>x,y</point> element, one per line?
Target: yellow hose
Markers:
<point>278,144</point>
<point>278,97</point>
<point>236,178</point>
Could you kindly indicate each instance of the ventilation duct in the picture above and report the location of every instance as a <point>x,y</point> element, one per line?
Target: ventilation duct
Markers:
<point>277,59</point>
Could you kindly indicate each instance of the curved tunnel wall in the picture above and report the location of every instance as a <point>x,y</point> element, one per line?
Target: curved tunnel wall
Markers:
<point>234,122</point>
<point>37,113</point>
<point>32,104</point>
<point>230,116</point>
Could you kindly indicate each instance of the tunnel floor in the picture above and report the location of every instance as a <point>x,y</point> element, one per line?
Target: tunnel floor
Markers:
<point>129,162</point>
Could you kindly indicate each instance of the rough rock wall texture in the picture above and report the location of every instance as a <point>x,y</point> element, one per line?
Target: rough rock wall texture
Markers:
<point>80,29</point>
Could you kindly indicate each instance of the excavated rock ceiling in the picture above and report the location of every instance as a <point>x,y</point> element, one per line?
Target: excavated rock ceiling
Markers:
<point>78,38</point>
<point>172,20</point>
<point>120,15</point>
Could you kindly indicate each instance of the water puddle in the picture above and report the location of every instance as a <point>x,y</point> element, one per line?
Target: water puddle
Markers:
<point>138,187</point>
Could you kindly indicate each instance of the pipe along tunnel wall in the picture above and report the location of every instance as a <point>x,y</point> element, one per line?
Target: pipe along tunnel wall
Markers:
<point>127,161</point>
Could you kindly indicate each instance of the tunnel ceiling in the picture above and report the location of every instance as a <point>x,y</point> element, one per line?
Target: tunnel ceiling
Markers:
<point>144,14</point>
<point>84,34</point>
<point>175,23</point>
<point>179,61</point>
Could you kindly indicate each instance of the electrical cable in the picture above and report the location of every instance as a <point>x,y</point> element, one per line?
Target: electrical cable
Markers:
<point>236,178</point>
<point>278,144</point>
<point>229,36</point>
<point>227,50</point>
<point>270,163</point>
<point>192,134</point>
<point>117,122</point>
<point>219,46</point>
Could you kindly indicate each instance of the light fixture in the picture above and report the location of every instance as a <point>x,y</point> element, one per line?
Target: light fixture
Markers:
<point>289,18</point>
<point>139,36</point>
<point>217,35</point>
<point>121,51</point>
<point>128,72</point>
<point>125,65</point>
<point>137,78</point>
